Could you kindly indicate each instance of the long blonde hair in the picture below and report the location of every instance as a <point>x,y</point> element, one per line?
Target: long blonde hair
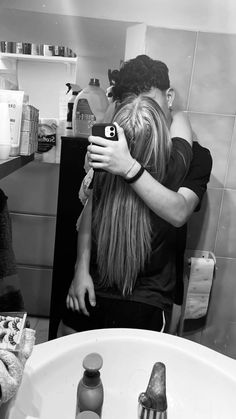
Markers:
<point>121,220</point>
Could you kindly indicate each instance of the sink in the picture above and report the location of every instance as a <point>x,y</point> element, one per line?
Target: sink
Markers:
<point>201,383</point>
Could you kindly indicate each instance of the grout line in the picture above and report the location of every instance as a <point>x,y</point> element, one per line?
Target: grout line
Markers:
<point>229,153</point>
<point>192,73</point>
<point>28,214</point>
<point>212,113</point>
<point>224,182</point>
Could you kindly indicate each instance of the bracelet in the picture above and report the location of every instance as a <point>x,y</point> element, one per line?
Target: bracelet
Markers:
<point>136,177</point>
<point>131,167</point>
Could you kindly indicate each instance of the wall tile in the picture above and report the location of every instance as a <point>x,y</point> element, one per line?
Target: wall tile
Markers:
<point>33,189</point>
<point>215,132</point>
<point>176,49</point>
<point>231,340</point>
<point>214,79</point>
<point>202,226</point>
<point>33,239</point>
<point>226,237</point>
<point>231,175</point>
<point>36,289</point>
<point>222,307</point>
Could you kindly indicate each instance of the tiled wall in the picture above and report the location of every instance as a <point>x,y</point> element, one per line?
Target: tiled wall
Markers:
<point>203,70</point>
<point>32,201</point>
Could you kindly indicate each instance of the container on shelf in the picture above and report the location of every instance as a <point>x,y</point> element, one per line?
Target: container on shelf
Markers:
<point>89,107</point>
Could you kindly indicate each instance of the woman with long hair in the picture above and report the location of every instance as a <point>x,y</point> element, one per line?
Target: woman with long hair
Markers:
<point>126,256</point>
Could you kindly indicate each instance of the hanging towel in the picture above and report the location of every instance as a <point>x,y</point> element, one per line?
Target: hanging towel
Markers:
<point>199,288</point>
<point>7,258</point>
<point>11,298</point>
<point>12,366</point>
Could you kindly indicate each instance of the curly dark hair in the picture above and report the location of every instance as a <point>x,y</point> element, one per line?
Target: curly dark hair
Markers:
<point>139,75</point>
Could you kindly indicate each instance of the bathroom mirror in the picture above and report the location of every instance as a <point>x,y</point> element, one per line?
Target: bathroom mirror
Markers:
<point>189,36</point>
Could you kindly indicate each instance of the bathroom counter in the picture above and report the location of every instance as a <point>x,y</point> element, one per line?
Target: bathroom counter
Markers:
<point>13,163</point>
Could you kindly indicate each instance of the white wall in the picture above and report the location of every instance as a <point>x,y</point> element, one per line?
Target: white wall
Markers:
<point>203,15</point>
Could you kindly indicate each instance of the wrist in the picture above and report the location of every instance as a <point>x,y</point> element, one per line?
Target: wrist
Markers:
<point>82,265</point>
<point>132,170</point>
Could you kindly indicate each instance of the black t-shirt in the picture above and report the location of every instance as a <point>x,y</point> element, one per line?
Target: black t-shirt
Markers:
<point>197,178</point>
<point>156,284</point>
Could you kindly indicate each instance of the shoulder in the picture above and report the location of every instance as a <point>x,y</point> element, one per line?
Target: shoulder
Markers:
<point>202,159</point>
<point>181,146</point>
<point>180,126</point>
<point>200,152</point>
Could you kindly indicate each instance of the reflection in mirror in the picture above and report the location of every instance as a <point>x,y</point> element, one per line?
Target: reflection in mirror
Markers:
<point>204,87</point>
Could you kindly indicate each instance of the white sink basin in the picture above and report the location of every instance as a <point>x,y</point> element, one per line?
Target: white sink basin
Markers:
<point>201,383</point>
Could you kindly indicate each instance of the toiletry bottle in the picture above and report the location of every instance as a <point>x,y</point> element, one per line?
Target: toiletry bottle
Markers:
<point>90,388</point>
<point>75,89</point>
<point>87,414</point>
<point>89,107</point>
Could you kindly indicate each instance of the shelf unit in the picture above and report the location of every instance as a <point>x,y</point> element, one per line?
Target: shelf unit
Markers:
<point>13,163</point>
<point>43,58</point>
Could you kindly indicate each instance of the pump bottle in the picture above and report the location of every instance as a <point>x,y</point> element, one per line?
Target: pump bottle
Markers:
<point>75,89</point>
<point>90,389</point>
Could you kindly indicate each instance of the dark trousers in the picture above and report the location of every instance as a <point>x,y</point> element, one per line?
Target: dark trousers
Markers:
<point>114,313</point>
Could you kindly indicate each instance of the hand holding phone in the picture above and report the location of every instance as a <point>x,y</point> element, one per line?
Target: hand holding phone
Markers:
<point>108,150</point>
<point>107,131</point>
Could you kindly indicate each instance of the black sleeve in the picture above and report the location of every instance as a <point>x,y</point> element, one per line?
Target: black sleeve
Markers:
<point>199,172</point>
<point>179,163</point>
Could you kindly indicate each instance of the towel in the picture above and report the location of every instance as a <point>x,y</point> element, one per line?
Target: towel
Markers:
<point>7,257</point>
<point>12,366</point>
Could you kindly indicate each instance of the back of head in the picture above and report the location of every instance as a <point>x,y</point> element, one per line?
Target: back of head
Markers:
<point>139,75</point>
<point>146,130</point>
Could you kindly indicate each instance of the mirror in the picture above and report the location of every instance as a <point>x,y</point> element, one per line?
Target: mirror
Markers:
<point>100,44</point>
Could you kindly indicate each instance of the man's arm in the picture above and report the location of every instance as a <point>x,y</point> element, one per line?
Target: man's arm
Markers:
<point>174,207</point>
<point>114,156</point>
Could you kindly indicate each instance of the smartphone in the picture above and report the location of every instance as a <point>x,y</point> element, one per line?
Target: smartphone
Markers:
<point>107,131</point>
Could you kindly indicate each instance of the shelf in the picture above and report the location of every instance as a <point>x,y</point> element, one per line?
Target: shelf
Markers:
<point>13,163</point>
<point>44,58</point>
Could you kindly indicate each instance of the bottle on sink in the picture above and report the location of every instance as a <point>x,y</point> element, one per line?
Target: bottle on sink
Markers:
<point>90,393</point>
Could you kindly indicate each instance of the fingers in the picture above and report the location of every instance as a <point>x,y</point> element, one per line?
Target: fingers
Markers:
<point>96,157</point>
<point>77,303</point>
<point>82,305</point>
<point>120,131</point>
<point>92,296</point>
<point>96,149</point>
<point>100,141</point>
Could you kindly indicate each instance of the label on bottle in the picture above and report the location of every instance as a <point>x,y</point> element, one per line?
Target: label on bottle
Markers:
<point>46,137</point>
<point>84,119</point>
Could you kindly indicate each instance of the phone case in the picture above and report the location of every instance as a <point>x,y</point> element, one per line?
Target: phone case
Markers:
<point>105,130</point>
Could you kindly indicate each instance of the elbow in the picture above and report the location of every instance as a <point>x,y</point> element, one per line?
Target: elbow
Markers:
<point>179,220</point>
<point>181,215</point>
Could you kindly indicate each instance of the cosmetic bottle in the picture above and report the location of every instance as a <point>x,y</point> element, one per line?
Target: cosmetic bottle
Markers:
<point>87,414</point>
<point>90,389</point>
<point>89,108</point>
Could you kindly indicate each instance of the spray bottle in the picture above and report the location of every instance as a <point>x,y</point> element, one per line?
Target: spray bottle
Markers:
<point>74,89</point>
<point>89,107</point>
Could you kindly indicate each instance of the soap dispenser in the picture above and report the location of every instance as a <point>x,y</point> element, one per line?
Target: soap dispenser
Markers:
<point>90,388</point>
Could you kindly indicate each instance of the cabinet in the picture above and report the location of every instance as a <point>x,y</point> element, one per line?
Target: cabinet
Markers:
<point>71,174</point>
